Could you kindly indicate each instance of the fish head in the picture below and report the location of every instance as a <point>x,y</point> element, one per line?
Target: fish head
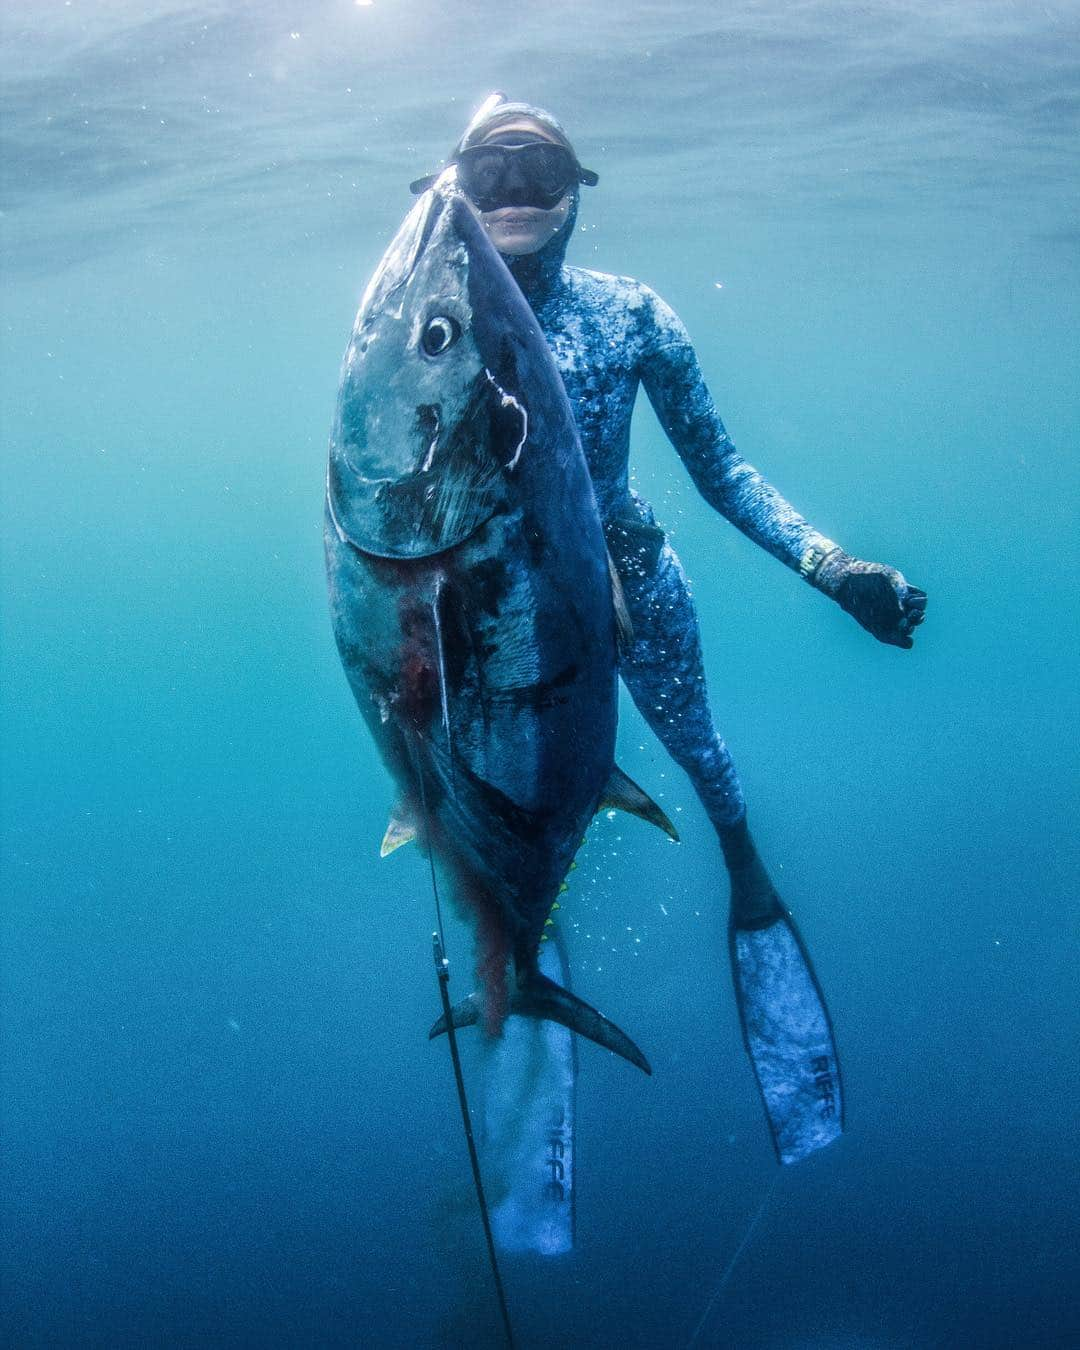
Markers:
<point>417,454</point>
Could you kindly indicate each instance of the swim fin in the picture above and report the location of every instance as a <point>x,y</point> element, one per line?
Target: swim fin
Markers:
<point>527,1120</point>
<point>534,995</point>
<point>785,1022</point>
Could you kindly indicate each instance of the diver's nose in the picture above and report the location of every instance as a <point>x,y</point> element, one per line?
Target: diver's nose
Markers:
<point>515,186</point>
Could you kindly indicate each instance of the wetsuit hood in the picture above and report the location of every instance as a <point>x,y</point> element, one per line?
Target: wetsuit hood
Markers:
<point>536,273</point>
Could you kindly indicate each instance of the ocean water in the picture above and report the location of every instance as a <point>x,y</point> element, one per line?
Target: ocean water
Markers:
<point>222,1122</point>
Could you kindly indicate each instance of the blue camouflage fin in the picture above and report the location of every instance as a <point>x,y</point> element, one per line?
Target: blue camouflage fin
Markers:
<point>788,1036</point>
<point>530,1077</point>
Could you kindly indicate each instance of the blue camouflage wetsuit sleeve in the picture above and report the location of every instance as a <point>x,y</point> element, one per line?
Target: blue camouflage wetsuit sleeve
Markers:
<point>672,377</point>
<point>609,336</point>
<point>665,671</point>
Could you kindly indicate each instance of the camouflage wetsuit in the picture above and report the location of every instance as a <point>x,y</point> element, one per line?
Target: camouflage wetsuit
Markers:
<point>610,335</point>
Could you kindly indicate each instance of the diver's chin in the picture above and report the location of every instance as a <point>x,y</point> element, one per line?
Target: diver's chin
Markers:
<point>515,243</point>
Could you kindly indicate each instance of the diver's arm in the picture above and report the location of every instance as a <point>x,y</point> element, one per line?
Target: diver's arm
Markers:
<point>877,596</point>
<point>673,381</point>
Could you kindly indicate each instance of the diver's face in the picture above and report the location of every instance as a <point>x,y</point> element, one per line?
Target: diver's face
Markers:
<point>518,230</point>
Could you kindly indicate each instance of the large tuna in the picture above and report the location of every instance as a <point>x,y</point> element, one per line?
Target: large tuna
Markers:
<point>471,595</point>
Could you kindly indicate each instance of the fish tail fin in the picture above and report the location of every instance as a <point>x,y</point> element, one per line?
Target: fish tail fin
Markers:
<point>463,1014</point>
<point>538,997</point>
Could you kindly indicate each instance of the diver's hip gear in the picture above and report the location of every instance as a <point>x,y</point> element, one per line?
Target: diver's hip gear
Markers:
<point>634,539</point>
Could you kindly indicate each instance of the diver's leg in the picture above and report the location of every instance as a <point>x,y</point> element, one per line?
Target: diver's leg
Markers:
<point>665,674</point>
<point>785,1023</point>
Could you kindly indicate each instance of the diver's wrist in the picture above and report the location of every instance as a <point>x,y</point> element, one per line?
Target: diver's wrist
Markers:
<point>813,563</point>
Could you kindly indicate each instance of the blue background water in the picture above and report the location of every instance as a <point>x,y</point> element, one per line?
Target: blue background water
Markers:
<point>222,1121</point>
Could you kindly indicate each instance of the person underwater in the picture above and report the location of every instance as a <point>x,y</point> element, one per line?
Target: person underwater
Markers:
<point>609,335</point>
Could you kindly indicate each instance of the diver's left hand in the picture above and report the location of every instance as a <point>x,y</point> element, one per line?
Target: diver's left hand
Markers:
<point>876,595</point>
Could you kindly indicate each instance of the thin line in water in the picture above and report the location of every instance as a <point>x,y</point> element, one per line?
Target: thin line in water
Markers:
<point>730,1268</point>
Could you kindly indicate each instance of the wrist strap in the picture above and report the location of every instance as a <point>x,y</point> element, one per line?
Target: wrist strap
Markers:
<point>814,556</point>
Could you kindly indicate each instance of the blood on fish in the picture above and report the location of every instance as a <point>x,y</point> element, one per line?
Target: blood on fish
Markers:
<point>418,677</point>
<point>493,953</point>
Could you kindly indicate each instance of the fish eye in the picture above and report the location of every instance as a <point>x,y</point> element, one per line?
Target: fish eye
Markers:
<point>441,332</point>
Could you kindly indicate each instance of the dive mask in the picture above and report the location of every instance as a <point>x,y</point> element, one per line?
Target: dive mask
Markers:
<point>533,173</point>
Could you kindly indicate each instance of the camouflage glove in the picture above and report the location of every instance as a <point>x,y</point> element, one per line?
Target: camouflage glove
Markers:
<point>872,593</point>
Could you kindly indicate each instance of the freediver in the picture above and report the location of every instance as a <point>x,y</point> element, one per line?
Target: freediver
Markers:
<point>610,335</point>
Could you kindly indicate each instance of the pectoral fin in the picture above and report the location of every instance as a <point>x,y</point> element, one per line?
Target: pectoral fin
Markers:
<point>624,627</point>
<point>623,794</point>
<point>400,830</point>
